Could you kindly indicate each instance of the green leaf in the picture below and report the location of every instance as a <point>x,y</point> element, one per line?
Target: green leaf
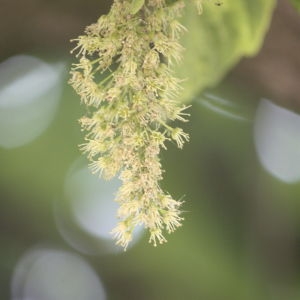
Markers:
<point>217,39</point>
<point>136,5</point>
<point>296,4</point>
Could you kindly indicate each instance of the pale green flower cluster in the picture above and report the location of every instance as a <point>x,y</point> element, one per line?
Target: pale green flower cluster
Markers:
<point>125,77</point>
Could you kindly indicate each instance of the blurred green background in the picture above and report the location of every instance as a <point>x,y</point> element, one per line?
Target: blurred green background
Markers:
<point>239,175</point>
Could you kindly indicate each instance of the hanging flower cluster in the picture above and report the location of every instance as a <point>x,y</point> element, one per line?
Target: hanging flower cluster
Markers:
<point>125,77</point>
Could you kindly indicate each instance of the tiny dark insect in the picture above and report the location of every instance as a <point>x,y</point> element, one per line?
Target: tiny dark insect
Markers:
<point>218,3</point>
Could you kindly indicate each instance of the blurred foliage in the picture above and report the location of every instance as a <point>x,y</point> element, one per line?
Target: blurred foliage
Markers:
<point>296,3</point>
<point>218,39</point>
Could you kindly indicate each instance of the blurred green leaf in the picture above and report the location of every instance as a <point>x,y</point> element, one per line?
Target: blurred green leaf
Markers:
<point>296,4</point>
<point>218,38</point>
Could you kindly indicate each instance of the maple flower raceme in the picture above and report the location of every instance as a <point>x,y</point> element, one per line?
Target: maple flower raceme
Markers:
<point>125,78</point>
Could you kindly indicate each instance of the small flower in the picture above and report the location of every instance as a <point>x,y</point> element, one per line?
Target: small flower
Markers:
<point>156,236</point>
<point>179,136</point>
<point>172,220</point>
<point>122,234</point>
